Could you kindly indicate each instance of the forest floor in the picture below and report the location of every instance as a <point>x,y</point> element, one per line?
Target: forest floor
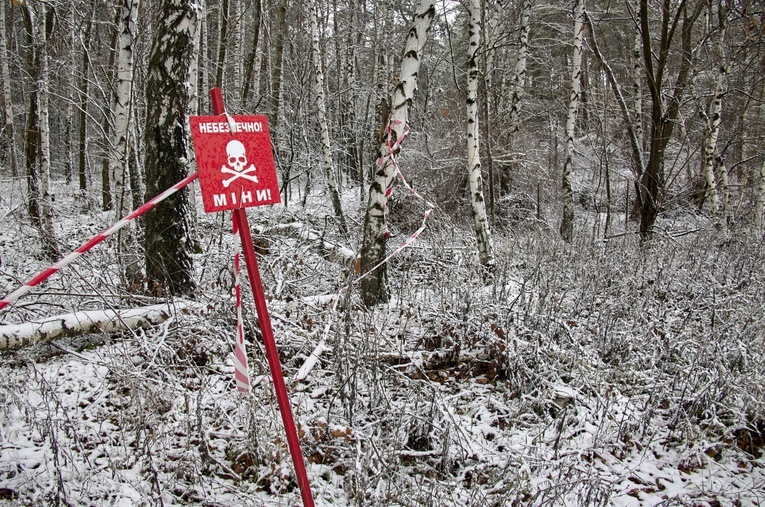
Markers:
<point>603,372</point>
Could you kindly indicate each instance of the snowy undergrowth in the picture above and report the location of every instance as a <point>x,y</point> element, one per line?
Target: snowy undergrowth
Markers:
<point>588,374</point>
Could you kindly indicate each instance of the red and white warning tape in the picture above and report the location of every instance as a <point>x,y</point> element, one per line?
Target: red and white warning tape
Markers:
<point>241,372</point>
<point>311,361</point>
<point>392,147</point>
<point>37,280</point>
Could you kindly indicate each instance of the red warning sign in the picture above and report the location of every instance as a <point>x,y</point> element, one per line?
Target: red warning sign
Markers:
<point>235,161</point>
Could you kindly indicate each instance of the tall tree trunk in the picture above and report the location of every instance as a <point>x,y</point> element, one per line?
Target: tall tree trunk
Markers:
<point>759,208</point>
<point>122,106</point>
<point>220,64</point>
<point>567,220</point>
<point>10,128</point>
<point>517,92</point>
<point>321,109</point>
<point>252,55</point>
<point>119,159</point>
<point>637,104</point>
<point>519,72</point>
<point>663,117</point>
<point>278,71</point>
<point>348,99</point>
<point>393,126</point>
<point>713,120</point>
<point>169,264</point>
<point>277,109</point>
<point>38,135</point>
<point>203,79</point>
<point>107,203</point>
<point>488,39</point>
<point>71,90</point>
<point>475,179</point>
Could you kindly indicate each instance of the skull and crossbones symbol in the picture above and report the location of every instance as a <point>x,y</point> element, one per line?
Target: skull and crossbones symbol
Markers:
<point>236,159</point>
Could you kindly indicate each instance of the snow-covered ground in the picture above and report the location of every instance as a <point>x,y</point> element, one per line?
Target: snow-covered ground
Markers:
<point>598,373</point>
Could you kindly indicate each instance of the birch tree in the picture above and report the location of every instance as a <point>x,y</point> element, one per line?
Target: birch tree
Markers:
<point>518,84</point>
<point>393,127</point>
<point>713,119</point>
<point>119,153</point>
<point>84,100</point>
<point>37,130</point>
<point>567,220</point>
<point>321,109</point>
<point>122,107</point>
<point>5,75</point>
<point>169,264</point>
<point>475,179</point>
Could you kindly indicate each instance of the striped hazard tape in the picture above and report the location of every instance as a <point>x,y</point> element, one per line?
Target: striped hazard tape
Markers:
<point>241,371</point>
<point>37,280</point>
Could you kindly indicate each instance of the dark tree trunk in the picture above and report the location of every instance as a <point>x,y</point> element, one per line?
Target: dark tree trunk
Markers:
<point>169,264</point>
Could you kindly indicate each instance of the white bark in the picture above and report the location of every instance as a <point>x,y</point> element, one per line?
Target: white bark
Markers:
<point>519,73</point>
<point>321,109</point>
<point>475,179</point>
<point>373,287</point>
<point>713,127</point>
<point>15,336</point>
<point>43,106</point>
<point>567,221</point>
<point>123,98</point>
<point>5,75</point>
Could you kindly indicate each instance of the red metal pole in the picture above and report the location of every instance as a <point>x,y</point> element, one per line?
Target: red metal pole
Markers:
<point>264,321</point>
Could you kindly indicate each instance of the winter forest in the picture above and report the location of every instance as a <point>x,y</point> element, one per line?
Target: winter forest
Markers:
<point>517,258</point>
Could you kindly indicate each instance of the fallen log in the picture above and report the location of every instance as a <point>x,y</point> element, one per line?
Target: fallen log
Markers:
<point>15,336</point>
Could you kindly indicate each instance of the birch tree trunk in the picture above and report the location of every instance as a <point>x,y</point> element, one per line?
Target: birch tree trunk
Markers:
<point>321,108</point>
<point>714,119</point>
<point>10,128</point>
<point>567,220</point>
<point>475,179</point>
<point>69,80</point>
<point>169,264</point>
<point>122,106</point>
<point>276,90</point>
<point>374,287</point>
<point>38,135</point>
<point>488,40</point>
<point>519,72</point>
<point>82,161</point>
<point>107,203</point>
<point>43,107</point>
<point>119,154</point>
